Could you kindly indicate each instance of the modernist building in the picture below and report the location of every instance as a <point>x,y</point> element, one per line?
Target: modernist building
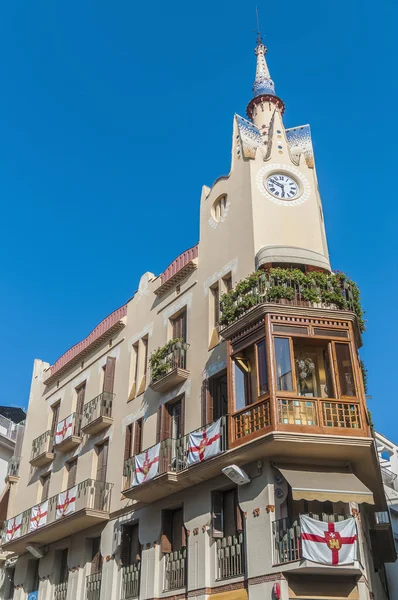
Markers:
<point>249,331</point>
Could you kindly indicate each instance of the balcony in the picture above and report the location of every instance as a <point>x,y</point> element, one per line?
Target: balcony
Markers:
<point>173,471</point>
<point>382,538</point>
<point>290,287</point>
<point>389,478</point>
<point>42,450</point>
<point>97,414</point>
<point>13,469</point>
<point>175,570</point>
<point>168,366</point>
<point>287,544</point>
<point>68,433</point>
<point>70,511</point>
<point>61,590</point>
<point>93,586</point>
<point>131,580</point>
<point>230,556</point>
<point>8,428</point>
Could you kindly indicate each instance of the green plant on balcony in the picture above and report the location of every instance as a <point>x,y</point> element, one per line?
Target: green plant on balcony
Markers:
<point>158,362</point>
<point>315,287</point>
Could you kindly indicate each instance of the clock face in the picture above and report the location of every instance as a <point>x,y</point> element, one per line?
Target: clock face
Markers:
<point>282,186</point>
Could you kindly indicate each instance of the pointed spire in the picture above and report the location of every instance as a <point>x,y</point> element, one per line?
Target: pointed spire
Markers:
<point>263,83</point>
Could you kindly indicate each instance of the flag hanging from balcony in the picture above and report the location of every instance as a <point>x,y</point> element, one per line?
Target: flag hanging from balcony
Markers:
<point>204,443</point>
<point>13,528</point>
<point>38,516</point>
<point>64,429</point>
<point>66,503</point>
<point>146,465</point>
<point>329,543</point>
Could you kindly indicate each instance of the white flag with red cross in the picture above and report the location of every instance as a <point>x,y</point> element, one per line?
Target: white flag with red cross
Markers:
<point>38,516</point>
<point>204,443</point>
<point>13,528</point>
<point>64,429</point>
<point>146,465</point>
<point>329,543</point>
<point>66,503</point>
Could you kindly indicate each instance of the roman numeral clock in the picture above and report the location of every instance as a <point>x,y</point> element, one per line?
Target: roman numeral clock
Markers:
<point>284,185</point>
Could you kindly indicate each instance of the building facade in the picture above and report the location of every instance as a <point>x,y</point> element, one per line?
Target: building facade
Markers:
<point>242,355</point>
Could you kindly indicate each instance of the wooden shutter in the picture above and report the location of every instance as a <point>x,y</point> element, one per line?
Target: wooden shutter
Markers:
<point>217,516</point>
<point>96,560</point>
<point>102,461</point>
<point>166,422</point>
<point>178,530</point>
<point>238,513</point>
<point>81,392</point>
<point>180,326</point>
<point>159,424</point>
<point>210,401</point>
<point>229,512</point>
<point>109,375</point>
<point>72,469</point>
<point>135,546</point>
<point>63,574</point>
<point>167,531</point>
<point>127,441</point>
<point>46,487</point>
<point>138,436</point>
<point>182,416</point>
<point>204,391</point>
<point>125,544</point>
<point>54,424</point>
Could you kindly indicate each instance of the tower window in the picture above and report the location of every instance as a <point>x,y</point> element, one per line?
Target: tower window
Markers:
<point>220,208</point>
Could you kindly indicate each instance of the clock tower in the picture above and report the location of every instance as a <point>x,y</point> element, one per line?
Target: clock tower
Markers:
<point>272,188</point>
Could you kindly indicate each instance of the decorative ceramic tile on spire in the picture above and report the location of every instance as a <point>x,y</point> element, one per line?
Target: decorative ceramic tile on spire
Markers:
<point>263,83</point>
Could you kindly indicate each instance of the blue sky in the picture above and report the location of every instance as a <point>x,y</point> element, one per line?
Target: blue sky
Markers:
<point>115,114</point>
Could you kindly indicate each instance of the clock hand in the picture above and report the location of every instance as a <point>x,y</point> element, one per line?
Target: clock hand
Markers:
<point>276,182</point>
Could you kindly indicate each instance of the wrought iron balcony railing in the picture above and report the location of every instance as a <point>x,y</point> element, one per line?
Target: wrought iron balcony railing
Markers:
<point>171,356</point>
<point>181,445</point>
<point>89,494</point>
<point>13,466</point>
<point>165,461</point>
<point>42,445</point>
<point>131,580</point>
<point>287,536</point>
<point>230,556</point>
<point>61,590</point>
<point>389,478</point>
<point>284,286</point>
<point>97,413</point>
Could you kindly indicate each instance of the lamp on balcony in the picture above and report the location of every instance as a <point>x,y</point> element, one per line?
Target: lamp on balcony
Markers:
<point>236,474</point>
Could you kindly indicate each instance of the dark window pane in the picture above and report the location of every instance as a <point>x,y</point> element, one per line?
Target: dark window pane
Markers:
<point>262,368</point>
<point>240,381</point>
<point>283,365</point>
<point>345,372</point>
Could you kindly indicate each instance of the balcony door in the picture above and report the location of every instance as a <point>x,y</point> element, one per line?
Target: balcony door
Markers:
<point>179,326</point>
<point>100,484</point>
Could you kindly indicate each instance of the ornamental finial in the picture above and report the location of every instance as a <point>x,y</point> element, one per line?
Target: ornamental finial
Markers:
<point>263,83</point>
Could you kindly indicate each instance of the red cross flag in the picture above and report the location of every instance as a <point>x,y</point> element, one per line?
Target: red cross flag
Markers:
<point>146,465</point>
<point>64,429</point>
<point>329,543</point>
<point>204,443</point>
<point>66,503</point>
<point>38,516</point>
<point>13,528</point>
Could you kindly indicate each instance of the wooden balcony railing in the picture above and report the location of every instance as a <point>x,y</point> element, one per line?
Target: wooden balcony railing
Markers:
<point>93,586</point>
<point>61,591</point>
<point>321,412</point>
<point>287,536</point>
<point>230,556</point>
<point>131,580</point>
<point>175,570</point>
<point>250,420</point>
